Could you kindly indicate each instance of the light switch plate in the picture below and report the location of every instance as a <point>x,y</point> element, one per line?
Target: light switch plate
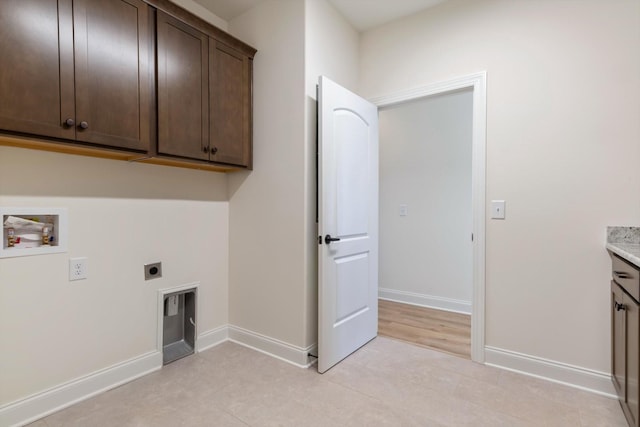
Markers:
<point>404,210</point>
<point>497,209</point>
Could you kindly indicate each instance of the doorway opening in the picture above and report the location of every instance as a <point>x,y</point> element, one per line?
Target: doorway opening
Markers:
<point>447,246</point>
<point>426,221</point>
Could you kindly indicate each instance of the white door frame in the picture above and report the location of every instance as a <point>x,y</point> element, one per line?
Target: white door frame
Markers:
<point>478,83</point>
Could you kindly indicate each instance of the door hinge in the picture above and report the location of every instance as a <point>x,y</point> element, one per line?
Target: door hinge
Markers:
<point>319,240</point>
<point>472,237</point>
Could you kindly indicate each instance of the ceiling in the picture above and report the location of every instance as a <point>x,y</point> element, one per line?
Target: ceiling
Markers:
<point>362,14</point>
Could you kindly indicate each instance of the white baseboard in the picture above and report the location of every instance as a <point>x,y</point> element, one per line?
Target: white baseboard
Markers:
<point>212,338</point>
<point>295,355</point>
<point>49,401</point>
<point>440,303</point>
<point>562,373</point>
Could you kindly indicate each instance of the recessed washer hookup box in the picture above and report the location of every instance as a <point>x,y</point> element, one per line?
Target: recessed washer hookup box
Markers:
<point>33,231</point>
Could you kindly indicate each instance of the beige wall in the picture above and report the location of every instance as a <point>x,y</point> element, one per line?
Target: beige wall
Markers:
<point>331,49</point>
<point>267,262</point>
<point>121,216</point>
<point>202,12</point>
<point>273,288</point>
<point>563,143</point>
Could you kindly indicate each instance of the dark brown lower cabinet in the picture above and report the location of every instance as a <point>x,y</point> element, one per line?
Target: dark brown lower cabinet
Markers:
<point>625,338</point>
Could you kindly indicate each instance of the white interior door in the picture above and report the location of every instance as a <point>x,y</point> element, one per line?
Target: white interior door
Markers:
<point>347,223</point>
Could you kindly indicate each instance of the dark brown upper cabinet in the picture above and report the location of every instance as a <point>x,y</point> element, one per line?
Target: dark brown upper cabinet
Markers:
<point>79,70</point>
<point>204,96</point>
<point>183,86</point>
<point>76,70</point>
<point>113,73</point>
<point>230,105</point>
<point>36,75</point>
<point>137,80</point>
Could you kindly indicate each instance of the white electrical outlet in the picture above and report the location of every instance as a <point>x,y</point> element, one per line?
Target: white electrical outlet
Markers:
<point>77,268</point>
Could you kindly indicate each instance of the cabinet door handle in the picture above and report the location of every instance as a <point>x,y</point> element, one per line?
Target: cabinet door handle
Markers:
<point>622,275</point>
<point>619,307</point>
<point>214,150</point>
<point>83,125</point>
<point>205,149</point>
<point>69,122</point>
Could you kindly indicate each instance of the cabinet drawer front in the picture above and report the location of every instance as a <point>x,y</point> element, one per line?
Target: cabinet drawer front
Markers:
<point>627,276</point>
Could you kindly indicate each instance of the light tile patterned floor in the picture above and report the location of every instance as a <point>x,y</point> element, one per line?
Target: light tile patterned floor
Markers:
<point>386,383</point>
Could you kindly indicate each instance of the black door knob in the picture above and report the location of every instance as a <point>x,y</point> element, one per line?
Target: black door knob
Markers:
<point>84,125</point>
<point>214,150</point>
<point>328,239</point>
<point>69,122</point>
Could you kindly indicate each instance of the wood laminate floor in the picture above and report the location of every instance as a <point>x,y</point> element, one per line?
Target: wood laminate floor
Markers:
<point>426,327</point>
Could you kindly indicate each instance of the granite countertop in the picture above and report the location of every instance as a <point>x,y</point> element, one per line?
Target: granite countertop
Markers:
<point>625,242</point>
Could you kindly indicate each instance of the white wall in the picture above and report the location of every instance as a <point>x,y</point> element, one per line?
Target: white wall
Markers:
<point>562,149</point>
<point>331,49</point>
<point>202,12</point>
<point>273,257</point>
<point>121,216</point>
<point>267,217</point>
<point>425,164</point>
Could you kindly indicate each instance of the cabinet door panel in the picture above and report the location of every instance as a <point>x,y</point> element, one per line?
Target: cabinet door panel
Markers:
<point>113,72</point>
<point>633,361</point>
<point>36,76</point>
<point>618,341</point>
<point>230,95</point>
<point>183,81</point>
